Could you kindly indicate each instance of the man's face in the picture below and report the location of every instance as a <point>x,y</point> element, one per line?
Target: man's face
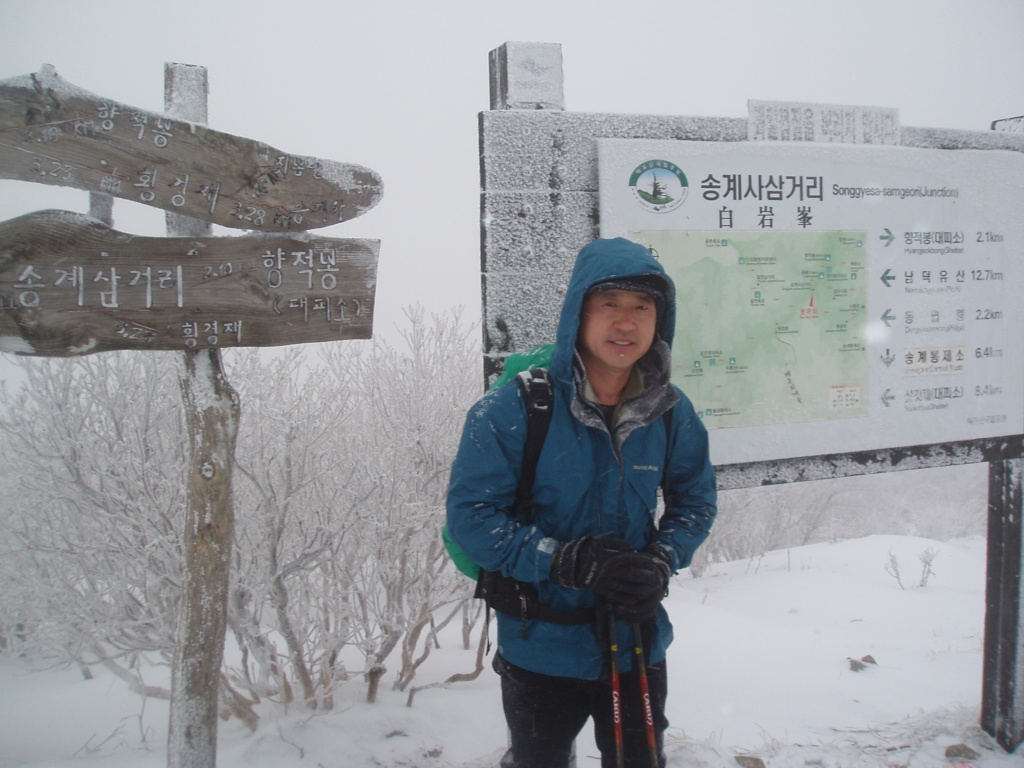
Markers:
<point>616,329</point>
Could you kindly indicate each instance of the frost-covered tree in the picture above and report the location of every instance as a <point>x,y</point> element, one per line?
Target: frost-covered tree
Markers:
<point>293,510</point>
<point>341,472</point>
<point>412,403</point>
<point>343,467</point>
<point>94,460</point>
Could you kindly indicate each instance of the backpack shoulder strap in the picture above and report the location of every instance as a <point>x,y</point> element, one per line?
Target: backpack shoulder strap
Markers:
<point>666,419</point>
<point>540,399</point>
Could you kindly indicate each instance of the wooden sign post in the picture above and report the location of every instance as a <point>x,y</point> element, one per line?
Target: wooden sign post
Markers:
<point>212,411</point>
<point>70,285</point>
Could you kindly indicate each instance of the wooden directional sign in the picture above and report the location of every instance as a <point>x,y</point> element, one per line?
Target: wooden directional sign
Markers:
<point>53,132</point>
<point>71,286</point>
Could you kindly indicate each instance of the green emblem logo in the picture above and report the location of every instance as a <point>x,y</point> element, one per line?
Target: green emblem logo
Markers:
<point>659,186</point>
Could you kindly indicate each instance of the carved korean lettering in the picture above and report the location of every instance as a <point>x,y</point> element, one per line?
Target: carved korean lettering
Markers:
<point>81,140</point>
<point>99,289</point>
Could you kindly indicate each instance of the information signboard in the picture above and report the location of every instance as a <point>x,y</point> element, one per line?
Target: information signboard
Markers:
<point>832,298</point>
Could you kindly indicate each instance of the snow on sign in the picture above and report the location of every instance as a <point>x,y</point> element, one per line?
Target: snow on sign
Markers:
<point>53,132</point>
<point>71,286</point>
<point>833,298</point>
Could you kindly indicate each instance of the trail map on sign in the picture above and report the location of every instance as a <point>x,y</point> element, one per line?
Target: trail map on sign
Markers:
<point>770,325</point>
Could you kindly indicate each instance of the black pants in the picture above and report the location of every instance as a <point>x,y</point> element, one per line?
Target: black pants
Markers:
<point>545,714</point>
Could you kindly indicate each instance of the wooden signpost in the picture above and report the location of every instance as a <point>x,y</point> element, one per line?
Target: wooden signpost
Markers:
<point>71,286</point>
<point>53,132</point>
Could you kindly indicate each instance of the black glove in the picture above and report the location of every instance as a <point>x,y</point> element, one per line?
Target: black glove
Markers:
<point>647,574</point>
<point>632,583</point>
<point>662,562</point>
<point>588,563</point>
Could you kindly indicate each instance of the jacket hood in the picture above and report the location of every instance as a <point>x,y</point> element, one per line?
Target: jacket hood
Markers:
<point>602,261</point>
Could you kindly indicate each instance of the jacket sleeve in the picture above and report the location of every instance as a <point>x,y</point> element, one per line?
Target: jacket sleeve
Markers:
<point>691,496</point>
<point>482,489</point>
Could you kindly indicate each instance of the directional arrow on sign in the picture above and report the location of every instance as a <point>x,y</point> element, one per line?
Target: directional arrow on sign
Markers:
<point>888,358</point>
<point>888,397</point>
<point>53,132</point>
<point>888,237</point>
<point>71,286</point>
<point>888,317</point>
<point>888,277</point>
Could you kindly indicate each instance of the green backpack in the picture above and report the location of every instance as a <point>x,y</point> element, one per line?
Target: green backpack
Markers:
<point>503,593</point>
<point>530,360</point>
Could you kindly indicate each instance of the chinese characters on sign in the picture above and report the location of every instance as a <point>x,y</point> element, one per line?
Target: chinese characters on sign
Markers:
<point>829,123</point>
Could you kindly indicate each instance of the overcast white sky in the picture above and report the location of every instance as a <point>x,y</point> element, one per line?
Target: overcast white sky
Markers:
<point>396,85</point>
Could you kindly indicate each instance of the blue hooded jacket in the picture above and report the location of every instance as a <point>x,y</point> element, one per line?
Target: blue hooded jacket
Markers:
<point>589,481</point>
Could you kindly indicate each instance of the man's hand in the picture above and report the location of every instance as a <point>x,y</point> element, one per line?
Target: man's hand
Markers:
<point>649,572</point>
<point>632,583</point>
<point>588,563</point>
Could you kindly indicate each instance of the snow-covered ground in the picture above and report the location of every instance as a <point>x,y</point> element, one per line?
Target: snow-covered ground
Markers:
<point>761,667</point>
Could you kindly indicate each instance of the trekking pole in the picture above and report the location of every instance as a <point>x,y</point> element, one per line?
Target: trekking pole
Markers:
<point>620,760</point>
<point>645,694</point>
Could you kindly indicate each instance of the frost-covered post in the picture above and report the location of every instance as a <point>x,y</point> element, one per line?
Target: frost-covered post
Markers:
<point>211,413</point>
<point>1002,702</point>
<point>1002,705</point>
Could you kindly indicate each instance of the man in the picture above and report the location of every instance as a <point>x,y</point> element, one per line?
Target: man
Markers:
<point>595,541</point>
